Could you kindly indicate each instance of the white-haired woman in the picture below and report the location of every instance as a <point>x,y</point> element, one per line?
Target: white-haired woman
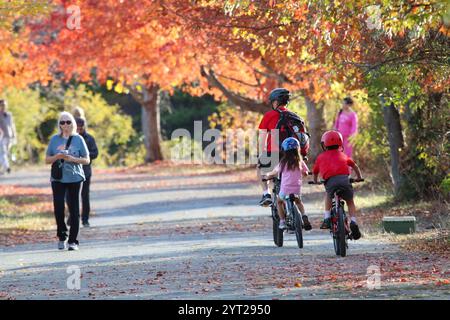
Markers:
<point>73,156</point>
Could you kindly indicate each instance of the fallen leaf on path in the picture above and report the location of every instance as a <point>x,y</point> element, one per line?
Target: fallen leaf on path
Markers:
<point>442,282</point>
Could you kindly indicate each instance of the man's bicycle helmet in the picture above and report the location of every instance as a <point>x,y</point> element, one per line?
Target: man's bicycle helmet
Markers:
<point>281,95</point>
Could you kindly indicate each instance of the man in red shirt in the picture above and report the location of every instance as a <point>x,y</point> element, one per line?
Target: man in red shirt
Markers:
<point>268,137</point>
<point>333,166</point>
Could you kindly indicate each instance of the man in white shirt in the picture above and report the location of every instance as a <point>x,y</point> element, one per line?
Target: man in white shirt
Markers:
<point>7,135</point>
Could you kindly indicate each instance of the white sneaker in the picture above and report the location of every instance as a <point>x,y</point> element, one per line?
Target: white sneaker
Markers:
<point>282,225</point>
<point>62,245</point>
<point>73,247</point>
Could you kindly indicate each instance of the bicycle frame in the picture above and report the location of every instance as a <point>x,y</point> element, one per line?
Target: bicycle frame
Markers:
<point>336,203</point>
<point>275,192</point>
<point>290,206</point>
<point>340,228</point>
<point>338,217</point>
<point>294,220</point>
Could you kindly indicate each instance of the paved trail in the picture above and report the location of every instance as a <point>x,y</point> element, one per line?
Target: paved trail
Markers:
<point>204,237</point>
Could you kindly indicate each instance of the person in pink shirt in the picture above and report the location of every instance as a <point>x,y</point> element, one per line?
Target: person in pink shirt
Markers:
<point>347,124</point>
<point>291,168</point>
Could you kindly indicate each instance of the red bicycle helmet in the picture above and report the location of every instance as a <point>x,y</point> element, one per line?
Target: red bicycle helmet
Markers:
<point>331,138</point>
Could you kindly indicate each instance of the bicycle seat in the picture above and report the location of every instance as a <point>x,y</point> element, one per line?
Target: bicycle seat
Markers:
<point>340,192</point>
<point>293,196</point>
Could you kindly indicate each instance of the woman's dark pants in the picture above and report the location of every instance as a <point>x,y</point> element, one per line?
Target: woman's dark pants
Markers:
<point>73,201</point>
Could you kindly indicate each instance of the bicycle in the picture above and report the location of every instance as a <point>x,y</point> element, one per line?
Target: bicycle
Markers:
<point>294,221</point>
<point>340,225</point>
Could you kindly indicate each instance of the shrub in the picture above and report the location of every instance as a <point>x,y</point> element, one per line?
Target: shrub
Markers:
<point>116,139</point>
<point>29,112</point>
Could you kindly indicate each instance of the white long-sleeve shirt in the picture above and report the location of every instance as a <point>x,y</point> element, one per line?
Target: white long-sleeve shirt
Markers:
<point>7,126</point>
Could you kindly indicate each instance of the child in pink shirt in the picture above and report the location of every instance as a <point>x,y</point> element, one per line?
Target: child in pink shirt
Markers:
<point>291,169</point>
<point>347,124</point>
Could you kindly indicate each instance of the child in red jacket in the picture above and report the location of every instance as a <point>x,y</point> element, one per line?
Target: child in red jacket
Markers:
<point>333,166</point>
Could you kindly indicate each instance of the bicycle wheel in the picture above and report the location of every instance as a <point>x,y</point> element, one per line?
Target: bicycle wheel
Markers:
<point>334,234</point>
<point>277,232</point>
<point>298,226</point>
<point>341,232</point>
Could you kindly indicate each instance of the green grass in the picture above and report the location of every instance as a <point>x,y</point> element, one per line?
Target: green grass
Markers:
<point>428,213</point>
<point>368,200</point>
<point>364,198</point>
<point>15,216</point>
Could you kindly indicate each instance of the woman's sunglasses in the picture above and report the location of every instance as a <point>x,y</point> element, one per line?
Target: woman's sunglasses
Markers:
<point>68,122</point>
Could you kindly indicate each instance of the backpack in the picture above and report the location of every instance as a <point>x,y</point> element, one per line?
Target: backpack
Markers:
<point>291,125</point>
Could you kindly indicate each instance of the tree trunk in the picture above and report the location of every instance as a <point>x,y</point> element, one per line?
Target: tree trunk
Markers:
<point>315,125</point>
<point>395,138</point>
<point>151,124</point>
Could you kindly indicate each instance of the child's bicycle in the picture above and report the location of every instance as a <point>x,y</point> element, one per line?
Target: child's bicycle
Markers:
<point>294,220</point>
<point>340,225</point>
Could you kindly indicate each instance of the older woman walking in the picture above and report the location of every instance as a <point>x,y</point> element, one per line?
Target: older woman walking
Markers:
<point>347,124</point>
<point>67,150</point>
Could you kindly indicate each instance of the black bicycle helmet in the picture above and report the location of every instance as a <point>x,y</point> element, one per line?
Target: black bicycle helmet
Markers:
<point>281,95</point>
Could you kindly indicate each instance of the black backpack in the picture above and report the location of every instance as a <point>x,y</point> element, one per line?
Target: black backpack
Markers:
<point>291,125</point>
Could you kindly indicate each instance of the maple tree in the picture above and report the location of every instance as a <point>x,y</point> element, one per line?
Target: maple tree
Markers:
<point>13,12</point>
<point>346,36</point>
<point>15,69</point>
<point>393,48</point>
<point>143,55</point>
<point>238,50</point>
<point>307,46</point>
<point>133,52</point>
<point>164,46</point>
<point>165,40</point>
<point>257,39</point>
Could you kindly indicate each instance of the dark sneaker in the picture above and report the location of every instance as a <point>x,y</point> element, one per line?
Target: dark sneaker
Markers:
<point>326,224</point>
<point>266,200</point>
<point>306,225</point>
<point>86,224</point>
<point>356,234</point>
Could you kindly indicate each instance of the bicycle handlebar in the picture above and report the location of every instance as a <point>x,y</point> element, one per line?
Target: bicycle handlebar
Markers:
<point>352,180</point>
<point>268,179</point>
<point>312,182</point>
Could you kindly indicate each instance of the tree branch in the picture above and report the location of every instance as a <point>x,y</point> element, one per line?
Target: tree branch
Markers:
<point>281,77</point>
<point>238,81</point>
<point>213,22</point>
<point>236,99</point>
